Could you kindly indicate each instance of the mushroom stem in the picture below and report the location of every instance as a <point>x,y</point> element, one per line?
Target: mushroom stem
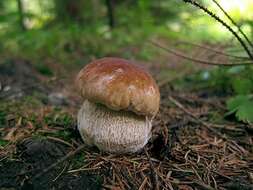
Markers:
<point>113,131</point>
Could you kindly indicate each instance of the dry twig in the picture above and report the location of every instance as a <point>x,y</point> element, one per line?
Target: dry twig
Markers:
<point>205,62</point>
<point>217,51</point>
<point>196,118</point>
<point>68,156</point>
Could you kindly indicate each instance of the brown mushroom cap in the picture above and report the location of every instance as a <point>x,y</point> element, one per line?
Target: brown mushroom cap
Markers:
<point>119,85</point>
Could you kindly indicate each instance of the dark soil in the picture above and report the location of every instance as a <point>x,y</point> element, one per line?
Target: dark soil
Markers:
<point>19,78</point>
<point>33,156</point>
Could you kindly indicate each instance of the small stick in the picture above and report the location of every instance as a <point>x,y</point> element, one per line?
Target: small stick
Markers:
<point>60,141</point>
<point>154,176</point>
<point>66,157</point>
<point>179,105</point>
<point>143,183</point>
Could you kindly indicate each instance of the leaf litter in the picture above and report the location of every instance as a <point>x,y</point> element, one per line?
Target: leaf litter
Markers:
<point>190,149</point>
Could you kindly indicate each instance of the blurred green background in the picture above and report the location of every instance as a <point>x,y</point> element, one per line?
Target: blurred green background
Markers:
<point>67,31</point>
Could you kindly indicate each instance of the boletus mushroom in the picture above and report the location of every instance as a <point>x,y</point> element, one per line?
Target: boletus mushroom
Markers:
<point>120,101</point>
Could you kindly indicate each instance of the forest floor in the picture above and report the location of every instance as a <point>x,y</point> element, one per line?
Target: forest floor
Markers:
<point>193,146</point>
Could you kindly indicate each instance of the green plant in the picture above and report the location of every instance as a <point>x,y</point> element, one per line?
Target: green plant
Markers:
<point>44,70</point>
<point>3,142</point>
<point>58,118</point>
<point>242,107</point>
<point>236,83</point>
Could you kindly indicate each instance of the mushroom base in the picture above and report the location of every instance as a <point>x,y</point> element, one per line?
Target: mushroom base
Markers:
<point>113,131</point>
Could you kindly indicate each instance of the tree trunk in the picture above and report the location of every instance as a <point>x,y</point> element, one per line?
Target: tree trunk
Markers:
<point>21,14</point>
<point>110,13</point>
<point>69,10</point>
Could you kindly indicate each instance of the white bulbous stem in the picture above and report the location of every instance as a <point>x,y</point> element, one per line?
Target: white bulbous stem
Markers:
<point>113,131</point>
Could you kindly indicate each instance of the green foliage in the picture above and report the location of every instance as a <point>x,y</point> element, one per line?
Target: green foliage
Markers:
<point>236,82</point>
<point>242,85</point>
<point>53,36</point>
<point>79,160</point>
<point>43,69</point>
<point>233,80</point>
<point>58,118</point>
<point>242,106</point>
<point>3,142</point>
<point>73,44</point>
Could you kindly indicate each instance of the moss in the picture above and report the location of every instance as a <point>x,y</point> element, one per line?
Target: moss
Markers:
<point>44,70</point>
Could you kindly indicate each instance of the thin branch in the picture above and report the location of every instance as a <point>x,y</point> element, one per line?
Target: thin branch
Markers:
<point>234,23</point>
<point>214,16</point>
<point>179,54</point>
<point>68,156</point>
<point>196,119</point>
<point>213,50</point>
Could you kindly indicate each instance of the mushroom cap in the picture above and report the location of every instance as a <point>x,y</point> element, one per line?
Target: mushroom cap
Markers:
<point>119,85</point>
